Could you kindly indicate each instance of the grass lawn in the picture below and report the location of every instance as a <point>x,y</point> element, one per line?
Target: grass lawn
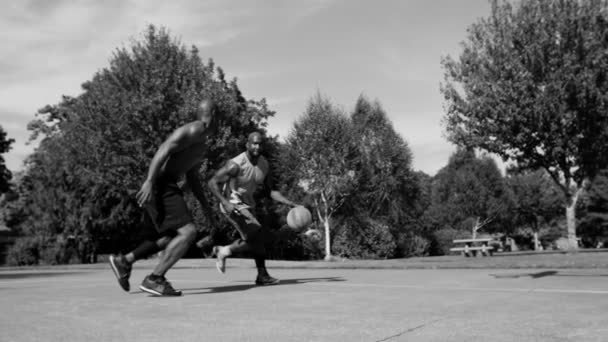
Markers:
<point>586,258</point>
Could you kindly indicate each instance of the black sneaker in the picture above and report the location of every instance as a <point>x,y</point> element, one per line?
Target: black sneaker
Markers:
<point>159,287</point>
<point>263,280</point>
<point>122,270</point>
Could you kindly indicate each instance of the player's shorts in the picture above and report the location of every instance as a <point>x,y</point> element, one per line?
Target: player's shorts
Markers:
<point>168,210</point>
<point>245,223</point>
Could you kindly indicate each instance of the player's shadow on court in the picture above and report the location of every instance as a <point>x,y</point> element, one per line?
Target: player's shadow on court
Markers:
<point>244,287</point>
<point>535,275</point>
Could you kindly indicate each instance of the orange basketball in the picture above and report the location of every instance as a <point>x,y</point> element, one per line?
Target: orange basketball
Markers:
<point>299,218</point>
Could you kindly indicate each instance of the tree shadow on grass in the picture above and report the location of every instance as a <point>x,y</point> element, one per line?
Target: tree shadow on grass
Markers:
<point>244,287</point>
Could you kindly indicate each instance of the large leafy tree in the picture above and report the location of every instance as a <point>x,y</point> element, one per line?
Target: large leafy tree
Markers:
<point>96,147</point>
<point>318,157</point>
<point>531,85</point>
<point>5,173</point>
<point>470,194</point>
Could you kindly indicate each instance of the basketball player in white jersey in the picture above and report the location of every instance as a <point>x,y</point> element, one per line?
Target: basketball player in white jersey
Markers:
<point>240,178</point>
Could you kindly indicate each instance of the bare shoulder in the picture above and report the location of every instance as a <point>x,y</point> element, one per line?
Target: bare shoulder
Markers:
<point>191,131</point>
<point>195,128</point>
<point>231,167</point>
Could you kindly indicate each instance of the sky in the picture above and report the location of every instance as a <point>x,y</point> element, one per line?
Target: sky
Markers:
<point>284,51</point>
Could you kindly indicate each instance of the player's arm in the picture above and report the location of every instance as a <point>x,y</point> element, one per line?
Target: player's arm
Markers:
<point>276,195</point>
<point>180,139</point>
<point>221,176</point>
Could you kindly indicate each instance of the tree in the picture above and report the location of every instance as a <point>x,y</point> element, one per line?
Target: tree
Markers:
<point>96,147</point>
<point>593,211</point>
<point>530,85</point>
<point>5,173</point>
<point>470,194</point>
<point>388,187</point>
<point>318,156</point>
<point>388,190</point>
<point>537,199</point>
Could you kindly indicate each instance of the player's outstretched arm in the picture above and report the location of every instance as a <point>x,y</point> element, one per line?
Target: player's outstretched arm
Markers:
<point>276,195</point>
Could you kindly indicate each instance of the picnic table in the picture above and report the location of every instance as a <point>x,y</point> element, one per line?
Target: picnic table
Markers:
<point>473,246</point>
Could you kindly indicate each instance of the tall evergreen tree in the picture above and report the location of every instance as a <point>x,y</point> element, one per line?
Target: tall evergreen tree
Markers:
<point>388,186</point>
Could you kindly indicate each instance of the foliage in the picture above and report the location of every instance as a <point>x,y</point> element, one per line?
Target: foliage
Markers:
<point>412,245</point>
<point>5,173</point>
<point>27,251</point>
<point>387,187</point>
<point>530,85</point>
<point>96,147</point>
<point>318,157</point>
<point>537,199</point>
<point>593,225</point>
<point>469,191</point>
<point>361,238</point>
<point>288,244</point>
<point>443,240</point>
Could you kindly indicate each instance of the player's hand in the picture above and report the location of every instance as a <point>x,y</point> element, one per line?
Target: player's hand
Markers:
<point>313,234</point>
<point>144,195</point>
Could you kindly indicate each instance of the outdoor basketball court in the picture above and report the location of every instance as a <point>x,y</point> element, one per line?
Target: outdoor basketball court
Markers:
<point>86,304</point>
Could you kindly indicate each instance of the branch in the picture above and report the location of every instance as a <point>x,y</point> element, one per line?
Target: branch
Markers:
<point>556,180</point>
<point>318,211</point>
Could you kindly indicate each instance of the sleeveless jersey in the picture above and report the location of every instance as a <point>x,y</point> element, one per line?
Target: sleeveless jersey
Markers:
<point>242,187</point>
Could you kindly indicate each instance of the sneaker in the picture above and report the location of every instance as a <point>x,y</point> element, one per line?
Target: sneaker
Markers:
<point>263,280</point>
<point>220,264</point>
<point>159,287</point>
<point>122,270</point>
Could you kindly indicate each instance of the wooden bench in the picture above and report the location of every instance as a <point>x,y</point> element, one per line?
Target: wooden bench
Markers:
<point>472,246</point>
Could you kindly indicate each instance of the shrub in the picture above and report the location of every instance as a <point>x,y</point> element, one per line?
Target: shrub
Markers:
<point>363,239</point>
<point>443,240</point>
<point>34,250</point>
<point>412,245</point>
<point>26,251</point>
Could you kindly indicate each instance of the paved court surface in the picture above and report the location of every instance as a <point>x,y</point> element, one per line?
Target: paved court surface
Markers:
<point>309,305</point>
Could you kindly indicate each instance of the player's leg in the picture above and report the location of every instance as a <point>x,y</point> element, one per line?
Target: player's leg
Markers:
<point>247,225</point>
<point>251,242</point>
<point>258,248</point>
<point>173,216</point>
<point>122,264</point>
<point>156,283</point>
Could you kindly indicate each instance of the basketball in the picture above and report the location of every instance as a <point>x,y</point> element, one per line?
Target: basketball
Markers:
<point>299,218</point>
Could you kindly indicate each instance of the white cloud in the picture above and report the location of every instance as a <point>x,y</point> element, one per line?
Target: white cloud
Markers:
<point>281,50</point>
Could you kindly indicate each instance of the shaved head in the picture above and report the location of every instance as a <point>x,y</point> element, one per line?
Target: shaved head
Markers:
<point>254,144</point>
<point>206,112</point>
<point>252,136</point>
